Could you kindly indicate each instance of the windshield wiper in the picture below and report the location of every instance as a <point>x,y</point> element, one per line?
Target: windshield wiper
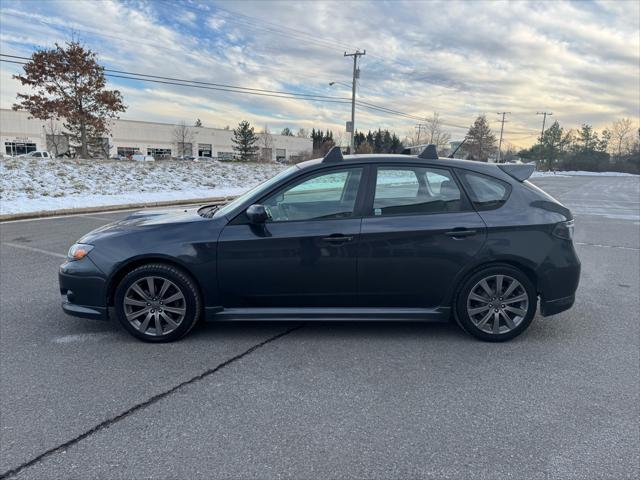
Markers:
<point>208,211</point>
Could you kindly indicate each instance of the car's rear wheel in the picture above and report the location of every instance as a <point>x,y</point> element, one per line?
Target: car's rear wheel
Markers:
<point>496,303</point>
<point>157,303</point>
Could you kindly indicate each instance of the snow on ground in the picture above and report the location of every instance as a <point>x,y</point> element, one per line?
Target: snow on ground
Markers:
<point>31,185</point>
<point>581,173</point>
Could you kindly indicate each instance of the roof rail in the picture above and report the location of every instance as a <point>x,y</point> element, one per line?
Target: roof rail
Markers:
<point>333,155</point>
<point>429,153</point>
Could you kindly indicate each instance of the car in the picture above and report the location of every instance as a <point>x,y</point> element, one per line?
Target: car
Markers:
<point>202,159</point>
<point>138,157</point>
<point>359,237</point>
<point>188,158</point>
<point>37,154</point>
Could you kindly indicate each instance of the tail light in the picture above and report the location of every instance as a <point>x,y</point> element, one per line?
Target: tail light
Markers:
<point>564,230</point>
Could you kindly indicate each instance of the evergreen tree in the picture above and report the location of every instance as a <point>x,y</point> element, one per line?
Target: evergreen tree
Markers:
<point>198,123</point>
<point>244,139</point>
<point>286,132</point>
<point>481,142</point>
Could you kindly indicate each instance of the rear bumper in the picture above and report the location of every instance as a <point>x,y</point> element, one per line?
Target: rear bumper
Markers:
<point>551,307</point>
<point>559,289</point>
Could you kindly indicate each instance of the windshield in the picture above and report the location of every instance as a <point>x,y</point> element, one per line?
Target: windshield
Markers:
<point>229,207</point>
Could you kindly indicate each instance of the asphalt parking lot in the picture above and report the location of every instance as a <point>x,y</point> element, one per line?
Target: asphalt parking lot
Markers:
<point>83,399</point>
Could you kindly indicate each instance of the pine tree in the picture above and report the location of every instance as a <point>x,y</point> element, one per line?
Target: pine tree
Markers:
<point>198,123</point>
<point>244,139</point>
<point>481,142</point>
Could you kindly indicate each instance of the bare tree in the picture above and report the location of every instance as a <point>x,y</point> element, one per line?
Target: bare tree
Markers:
<point>621,137</point>
<point>266,144</point>
<point>183,138</point>
<point>57,142</point>
<point>435,134</point>
<point>510,152</point>
<point>412,138</point>
<point>302,133</point>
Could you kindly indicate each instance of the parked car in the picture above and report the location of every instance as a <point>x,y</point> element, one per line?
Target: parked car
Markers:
<point>118,158</point>
<point>202,159</point>
<point>188,158</point>
<point>138,157</point>
<point>362,237</point>
<point>37,154</point>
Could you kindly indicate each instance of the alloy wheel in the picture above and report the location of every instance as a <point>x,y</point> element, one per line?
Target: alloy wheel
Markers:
<point>497,304</point>
<point>154,306</point>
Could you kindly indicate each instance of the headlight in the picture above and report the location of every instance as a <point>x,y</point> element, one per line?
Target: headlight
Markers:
<point>564,230</point>
<point>78,251</point>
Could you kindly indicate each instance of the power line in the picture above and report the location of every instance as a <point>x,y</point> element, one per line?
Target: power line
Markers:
<point>197,82</point>
<point>233,89</point>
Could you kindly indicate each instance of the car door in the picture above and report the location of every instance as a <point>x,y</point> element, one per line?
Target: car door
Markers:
<point>305,254</point>
<point>417,235</point>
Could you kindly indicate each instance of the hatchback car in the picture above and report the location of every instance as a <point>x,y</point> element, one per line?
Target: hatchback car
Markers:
<point>361,237</point>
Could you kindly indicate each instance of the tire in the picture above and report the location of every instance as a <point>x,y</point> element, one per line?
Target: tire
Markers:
<point>157,303</point>
<point>512,304</point>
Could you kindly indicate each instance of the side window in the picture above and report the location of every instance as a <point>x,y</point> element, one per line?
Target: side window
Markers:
<point>323,196</point>
<point>486,192</point>
<point>37,155</point>
<point>415,190</point>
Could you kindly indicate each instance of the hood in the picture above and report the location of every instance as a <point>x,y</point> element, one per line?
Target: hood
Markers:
<point>143,220</point>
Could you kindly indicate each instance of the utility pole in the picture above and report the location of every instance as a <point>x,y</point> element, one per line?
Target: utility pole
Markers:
<point>356,75</point>
<point>501,130</point>
<point>419,127</point>
<point>544,119</point>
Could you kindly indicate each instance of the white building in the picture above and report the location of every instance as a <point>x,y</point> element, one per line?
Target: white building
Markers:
<point>19,134</point>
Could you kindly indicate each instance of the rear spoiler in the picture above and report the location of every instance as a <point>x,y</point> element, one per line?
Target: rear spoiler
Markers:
<point>518,171</point>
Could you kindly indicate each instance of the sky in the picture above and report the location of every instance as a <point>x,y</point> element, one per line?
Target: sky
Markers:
<point>579,60</point>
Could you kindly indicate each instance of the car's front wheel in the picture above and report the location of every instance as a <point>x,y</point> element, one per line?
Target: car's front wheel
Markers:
<point>157,303</point>
<point>496,303</point>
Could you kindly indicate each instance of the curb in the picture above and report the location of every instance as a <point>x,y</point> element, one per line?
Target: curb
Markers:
<point>112,208</point>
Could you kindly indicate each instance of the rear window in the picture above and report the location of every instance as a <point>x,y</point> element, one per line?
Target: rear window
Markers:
<point>485,192</point>
<point>415,191</point>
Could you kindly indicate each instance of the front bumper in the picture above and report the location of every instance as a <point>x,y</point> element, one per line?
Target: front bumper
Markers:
<point>94,313</point>
<point>83,289</point>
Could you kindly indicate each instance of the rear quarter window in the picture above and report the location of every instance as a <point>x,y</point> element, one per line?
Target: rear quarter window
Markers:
<point>485,192</point>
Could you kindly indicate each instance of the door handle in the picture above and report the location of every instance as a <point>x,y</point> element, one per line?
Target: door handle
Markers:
<point>461,233</point>
<point>338,238</point>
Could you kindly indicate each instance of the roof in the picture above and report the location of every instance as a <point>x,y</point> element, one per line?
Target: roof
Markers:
<point>489,168</point>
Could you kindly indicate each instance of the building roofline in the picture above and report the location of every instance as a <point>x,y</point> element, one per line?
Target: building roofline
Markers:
<point>2,110</point>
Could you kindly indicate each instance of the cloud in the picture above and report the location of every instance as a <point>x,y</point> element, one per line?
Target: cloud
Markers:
<point>577,59</point>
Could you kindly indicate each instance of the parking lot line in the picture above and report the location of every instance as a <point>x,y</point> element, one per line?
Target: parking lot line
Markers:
<point>606,246</point>
<point>33,249</point>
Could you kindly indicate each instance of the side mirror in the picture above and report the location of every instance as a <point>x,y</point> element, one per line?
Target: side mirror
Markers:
<point>257,214</point>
